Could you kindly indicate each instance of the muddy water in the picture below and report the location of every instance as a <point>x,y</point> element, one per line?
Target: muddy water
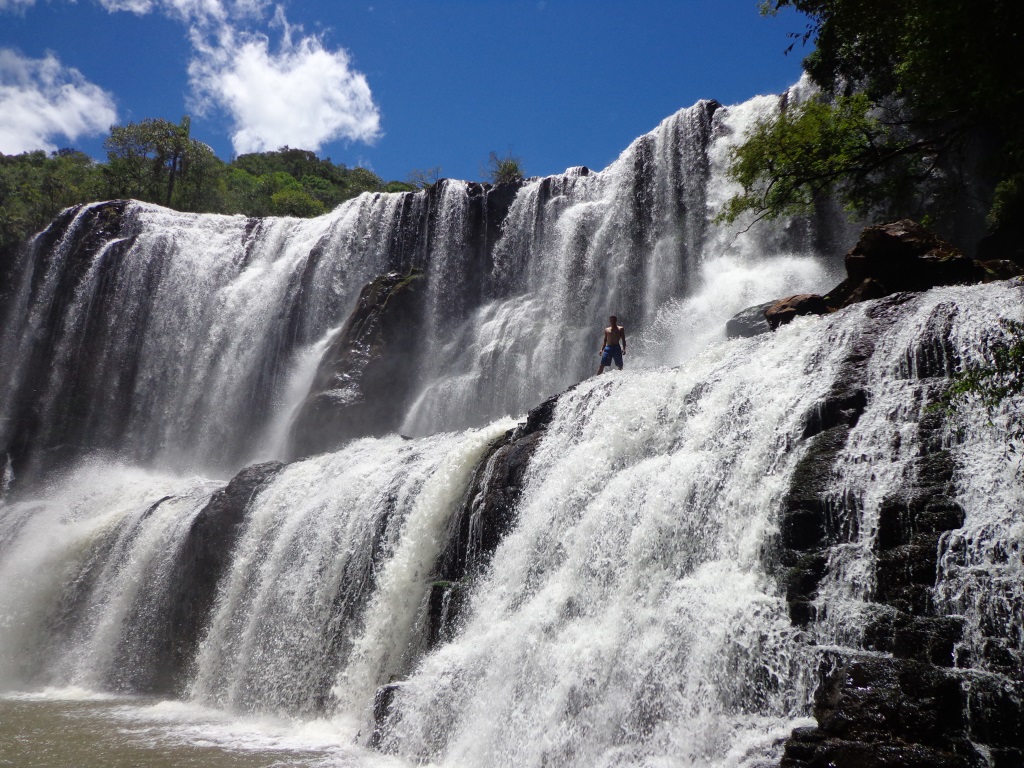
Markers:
<point>135,733</point>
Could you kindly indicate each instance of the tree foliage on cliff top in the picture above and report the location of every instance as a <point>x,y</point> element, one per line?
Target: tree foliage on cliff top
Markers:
<point>909,88</point>
<point>158,161</point>
<point>504,170</point>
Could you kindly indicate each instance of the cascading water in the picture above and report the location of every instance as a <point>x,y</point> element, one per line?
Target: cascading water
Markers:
<point>629,617</point>
<point>633,240</point>
<point>175,344</point>
<point>85,568</point>
<point>294,601</point>
<point>638,610</point>
<point>183,341</point>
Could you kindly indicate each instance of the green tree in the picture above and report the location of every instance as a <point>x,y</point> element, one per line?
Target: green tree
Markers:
<point>294,201</point>
<point>240,192</point>
<point>359,180</point>
<point>400,186</point>
<point>34,188</point>
<point>158,161</point>
<point>909,89</point>
<point>504,170</point>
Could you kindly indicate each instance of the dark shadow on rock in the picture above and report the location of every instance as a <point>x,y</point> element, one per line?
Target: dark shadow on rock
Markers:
<point>748,322</point>
<point>364,377</point>
<point>485,516</point>
<point>896,700</point>
<point>201,564</point>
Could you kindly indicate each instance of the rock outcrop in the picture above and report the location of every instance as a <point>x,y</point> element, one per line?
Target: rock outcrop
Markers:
<point>901,256</point>
<point>486,515</point>
<point>750,322</point>
<point>887,259</point>
<point>177,627</point>
<point>784,310</point>
<point>902,696</point>
<point>364,377</point>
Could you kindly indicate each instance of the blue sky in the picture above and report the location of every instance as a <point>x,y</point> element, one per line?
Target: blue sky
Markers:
<point>393,85</point>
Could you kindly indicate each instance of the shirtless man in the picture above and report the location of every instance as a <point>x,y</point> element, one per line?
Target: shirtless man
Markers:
<point>613,346</point>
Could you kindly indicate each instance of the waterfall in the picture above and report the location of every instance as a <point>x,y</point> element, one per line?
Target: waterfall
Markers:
<point>631,605</point>
<point>633,240</point>
<point>633,614</point>
<point>184,341</point>
<point>316,543</point>
<point>174,345</point>
<point>656,567</point>
<point>86,569</point>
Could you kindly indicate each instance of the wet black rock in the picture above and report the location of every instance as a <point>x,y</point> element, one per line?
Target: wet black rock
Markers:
<point>748,322</point>
<point>363,379</point>
<point>487,514</point>
<point>382,701</point>
<point>905,696</point>
<point>876,712</point>
<point>201,564</point>
<point>812,522</point>
<point>29,450</point>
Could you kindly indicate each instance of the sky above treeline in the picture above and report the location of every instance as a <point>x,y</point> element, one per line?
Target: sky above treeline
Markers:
<point>392,85</point>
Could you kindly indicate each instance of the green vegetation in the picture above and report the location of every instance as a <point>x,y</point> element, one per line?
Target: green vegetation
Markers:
<point>34,187</point>
<point>1001,376</point>
<point>158,161</point>
<point>504,170</point>
<point>910,90</point>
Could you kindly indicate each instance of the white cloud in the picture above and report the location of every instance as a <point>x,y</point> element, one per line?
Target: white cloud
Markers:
<point>15,5</point>
<point>41,99</point>
<point>197,12</point>
<point>302,95</point>
<point>140,7</point>
<point>189,11</point>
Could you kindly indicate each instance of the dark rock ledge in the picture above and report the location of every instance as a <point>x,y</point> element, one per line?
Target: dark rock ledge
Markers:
<point>897,700</point>
<point>200,565</point>
<point>363,379</point>
<point>487,514</point>
<point>887,259</point>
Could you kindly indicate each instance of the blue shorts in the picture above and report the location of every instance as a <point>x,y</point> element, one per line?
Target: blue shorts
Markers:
<point>612,352</point>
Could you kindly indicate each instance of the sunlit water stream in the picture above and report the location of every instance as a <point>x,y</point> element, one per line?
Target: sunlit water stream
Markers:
<point>633,616</point>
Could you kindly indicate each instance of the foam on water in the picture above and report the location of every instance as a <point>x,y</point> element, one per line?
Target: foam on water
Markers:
<point>633,615</point>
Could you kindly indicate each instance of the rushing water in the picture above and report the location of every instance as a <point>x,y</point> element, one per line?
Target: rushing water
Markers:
<point>186,342</point>
<point>632,615</point>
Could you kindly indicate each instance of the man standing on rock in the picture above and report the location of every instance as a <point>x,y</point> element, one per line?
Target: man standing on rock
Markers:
<point>613,346</point>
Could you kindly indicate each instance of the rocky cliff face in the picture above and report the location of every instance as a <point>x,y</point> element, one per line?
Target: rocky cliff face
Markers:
<point>66,250</point>
<point>907,696</point>
<point>365,376</point>
<point>200,565</point>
